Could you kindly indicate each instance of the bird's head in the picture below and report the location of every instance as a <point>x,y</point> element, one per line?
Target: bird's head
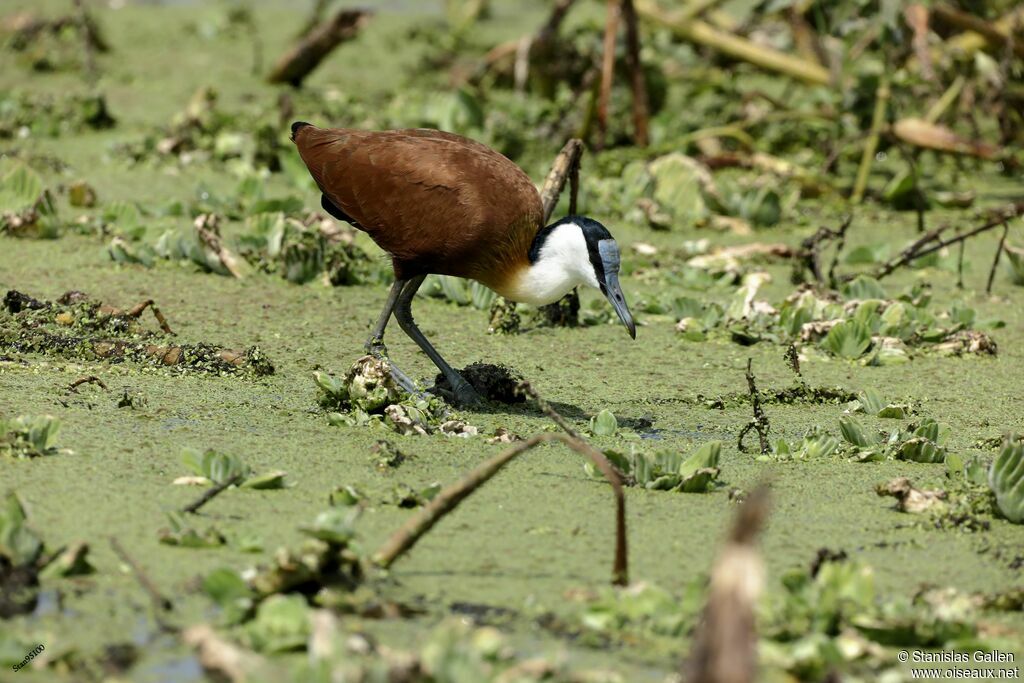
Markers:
<point>578,250</point>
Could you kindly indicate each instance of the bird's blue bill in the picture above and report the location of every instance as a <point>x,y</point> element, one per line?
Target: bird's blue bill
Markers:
<point>609,252</point>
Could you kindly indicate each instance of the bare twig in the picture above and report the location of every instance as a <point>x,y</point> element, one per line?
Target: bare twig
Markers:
<point>993,33</point>
<point>210,494</point>
<point>810,249</point>
<point>702,33</point>
<point>160,602</point>
<point>760,421</point>
<point>930,242</point>
<point>138,309</point>
<point>206,229</point>
<point>995,261</point>
<point>91,379</point>
<point>566,164</point>
<point>449,498</point>
<point>312,48</point>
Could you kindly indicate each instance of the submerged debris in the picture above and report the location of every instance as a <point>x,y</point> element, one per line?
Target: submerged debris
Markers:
<point>28,325</point>
<point>911,499</point>
<point>495,382</point>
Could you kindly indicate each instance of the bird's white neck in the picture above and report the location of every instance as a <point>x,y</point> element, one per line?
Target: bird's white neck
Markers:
<point>563,263</point>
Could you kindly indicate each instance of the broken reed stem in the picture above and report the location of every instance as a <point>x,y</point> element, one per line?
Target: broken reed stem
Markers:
<point>314,46</point>
<point>702,33</point>
<point>206,229</point>
<point>161,602</point>
<point>527,389</point>
<point>724,646</point>
<point>91,379</point>
<point>760,421</point>
<point>138,309</point>
<point>917,249</point>
<point>611,30</point>
<point>449,498</point>
<point>566,165</point>
<point>210,494</point>
<point>871,146</point>
<point>811,248</point>
<point>995,261</point>
<point>638,80</point>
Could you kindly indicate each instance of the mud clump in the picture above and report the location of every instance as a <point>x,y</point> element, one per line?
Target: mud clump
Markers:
<point>494,382</point>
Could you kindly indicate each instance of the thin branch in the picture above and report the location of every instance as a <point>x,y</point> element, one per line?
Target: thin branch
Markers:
<point>448,499</point>
<point>162,603</point>
<point>210,494</point>
<point>91,379</point>
<point>995,261</point>
<point>918,249</point>
<point>566,165</point>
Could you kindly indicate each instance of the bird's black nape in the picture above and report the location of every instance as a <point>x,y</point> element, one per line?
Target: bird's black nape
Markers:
<point>297,126</point>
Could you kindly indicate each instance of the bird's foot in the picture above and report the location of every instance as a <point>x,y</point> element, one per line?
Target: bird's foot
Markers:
<point>466,396</point>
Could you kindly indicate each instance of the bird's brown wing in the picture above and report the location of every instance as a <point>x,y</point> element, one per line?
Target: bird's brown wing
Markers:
<point>436,202</point>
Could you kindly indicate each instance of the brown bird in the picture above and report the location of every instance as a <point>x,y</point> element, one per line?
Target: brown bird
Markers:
<point>441,203</point>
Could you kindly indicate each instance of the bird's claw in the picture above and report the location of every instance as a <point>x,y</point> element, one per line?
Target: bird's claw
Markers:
<point>466,396</point>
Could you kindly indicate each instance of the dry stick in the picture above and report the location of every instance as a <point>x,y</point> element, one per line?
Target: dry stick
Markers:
<point>210,494</point>
<point>611,30</point>
<point>995,261</point>
<point>724,646</point>
<point>161,602</point>
<point>448,499</point>
<point>877,122</point>
<point>993,34</point>
<point>211,239</point>
<point>312,48</point>
<point>91,379</point>
<point>566,165</point>
<point>760,421</point>
<point>840,243</point>
<point>137,310</point>
<point>538,42</point>
<point>915,251</point>
<point>702,33</point>
<point>636,71</point>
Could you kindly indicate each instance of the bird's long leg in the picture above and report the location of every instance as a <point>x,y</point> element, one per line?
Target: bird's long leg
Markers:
<point>375,344</point>
<point>464,392</point>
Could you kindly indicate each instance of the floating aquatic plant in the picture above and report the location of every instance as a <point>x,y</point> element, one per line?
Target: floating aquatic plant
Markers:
<point>665,470</point>
<point>1006,477</point>
<point>30,436</point>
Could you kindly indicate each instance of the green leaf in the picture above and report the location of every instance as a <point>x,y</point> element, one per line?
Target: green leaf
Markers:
<point>920,449</point>
<point>231,593</point>
<point>848,339</point>
<point>19,545</point>
<point>604,424</point>
<point>703,458</point>
<point>854,433</point>
<point>1006,479</point>
<point>281,624</point>
<point>20,189</point>
<point>269,480</point>
<point>215,466</point>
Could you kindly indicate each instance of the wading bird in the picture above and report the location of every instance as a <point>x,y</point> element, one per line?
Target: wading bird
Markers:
<point>441,203</point>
